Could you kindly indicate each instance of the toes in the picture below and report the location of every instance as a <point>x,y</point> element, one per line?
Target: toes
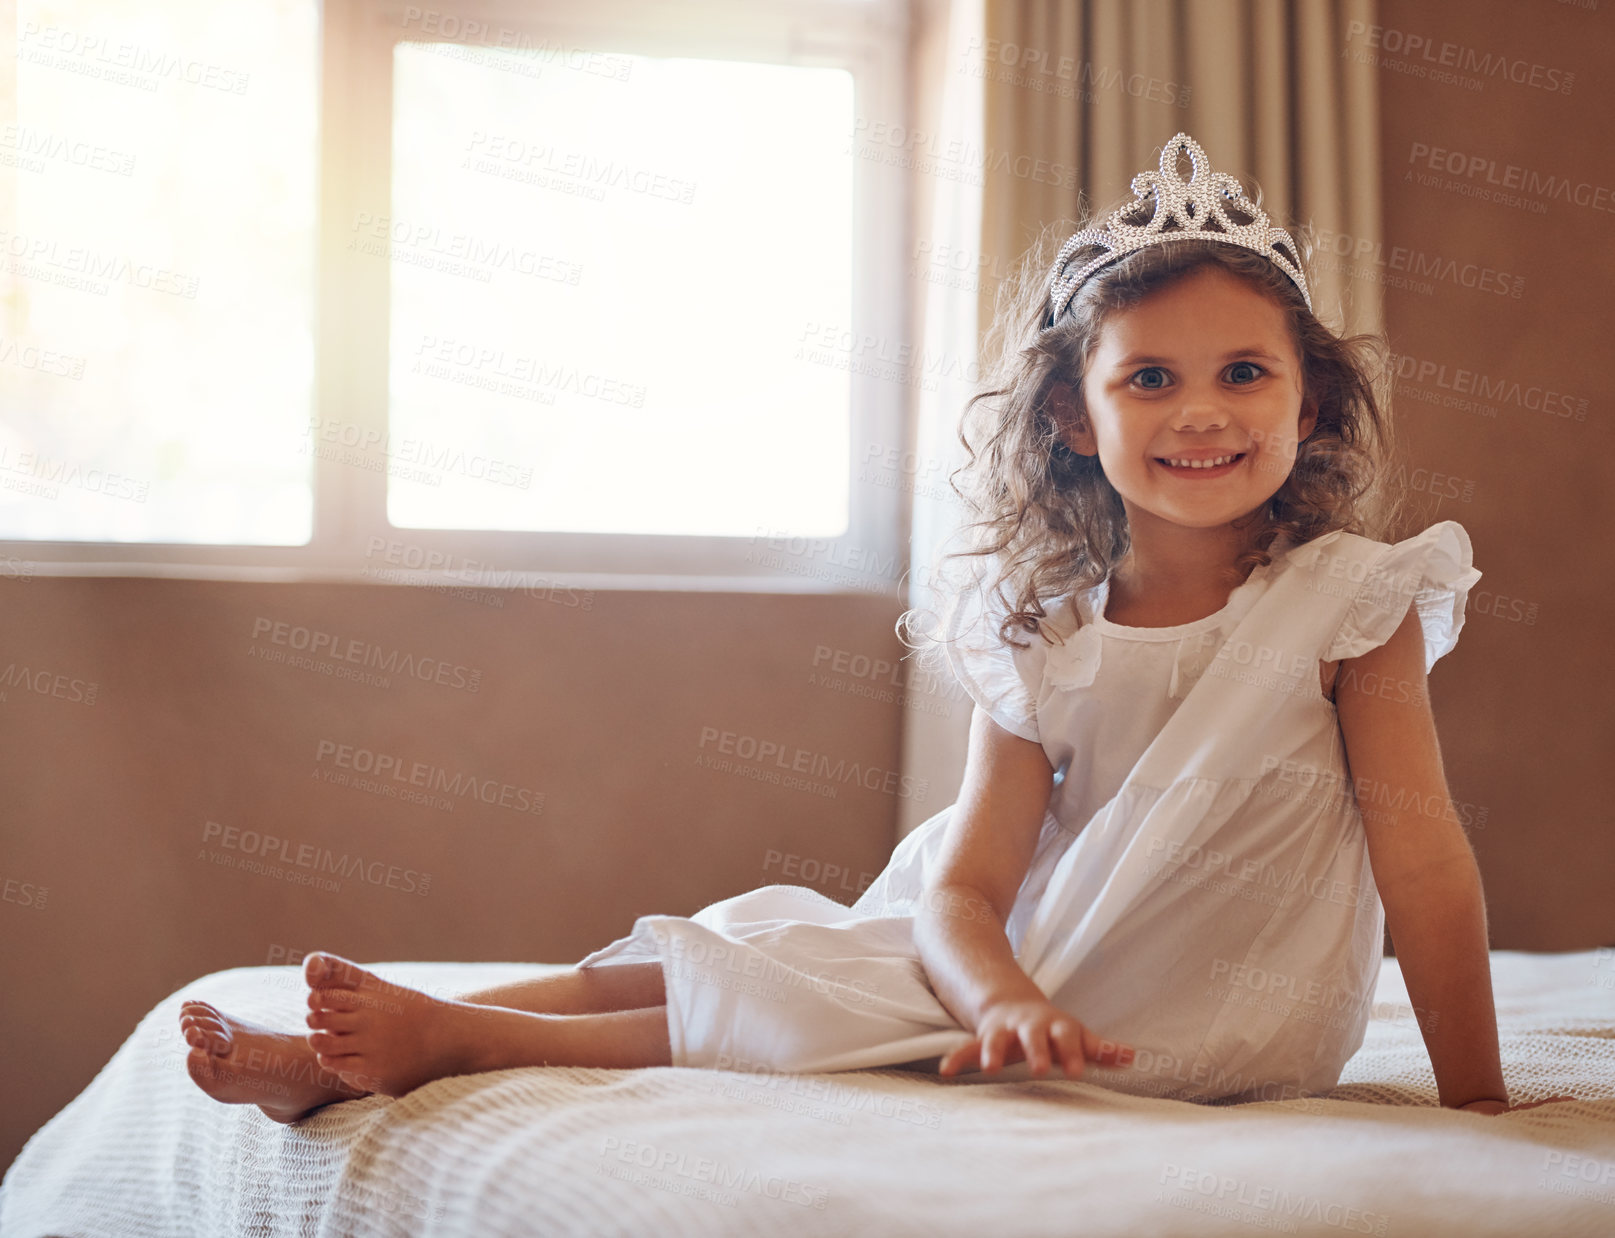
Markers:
<point>209,1037</point>
<point>332,971</point>
<point>347,1067</point>
<point>345,1000</point>
<point>317,967</point>
<point>333,1020</point>
<point>203,1027</point>
<point>327,1044</point>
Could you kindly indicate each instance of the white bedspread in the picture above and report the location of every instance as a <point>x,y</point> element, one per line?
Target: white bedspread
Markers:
<point>661,1152</point>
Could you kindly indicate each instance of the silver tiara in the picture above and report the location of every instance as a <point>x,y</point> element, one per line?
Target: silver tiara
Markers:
<point>1195,210</point>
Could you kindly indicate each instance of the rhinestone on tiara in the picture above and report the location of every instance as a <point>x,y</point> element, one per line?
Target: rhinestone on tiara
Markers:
<point>1196,209</point>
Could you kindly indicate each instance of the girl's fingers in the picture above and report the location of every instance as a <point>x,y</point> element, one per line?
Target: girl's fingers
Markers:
<point>1035,1047</point>
<point>1065,1040</point>
<point>960,1057</point>
<point>1067,1036</point>
<point>1106,1052</point>
<point>995,1047</point>
<point>984,1059</point>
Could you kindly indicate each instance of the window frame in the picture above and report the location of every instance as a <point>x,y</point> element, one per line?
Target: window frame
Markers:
<point>352,537</point>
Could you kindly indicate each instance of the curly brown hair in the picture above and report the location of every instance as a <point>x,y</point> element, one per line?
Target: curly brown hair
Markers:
<point>1049,521</point>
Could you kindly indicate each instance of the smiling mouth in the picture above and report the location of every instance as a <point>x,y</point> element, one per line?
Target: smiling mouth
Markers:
<point>1225,462</point>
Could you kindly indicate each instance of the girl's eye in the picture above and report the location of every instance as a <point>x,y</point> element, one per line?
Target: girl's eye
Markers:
<point>1152,378</point>
<point>1245,371</point>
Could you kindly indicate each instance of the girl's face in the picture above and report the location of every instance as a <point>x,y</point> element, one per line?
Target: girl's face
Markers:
<point>1203,369</point>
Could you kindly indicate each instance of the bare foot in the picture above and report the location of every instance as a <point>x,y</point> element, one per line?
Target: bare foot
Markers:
<point>384,1036</point>
<point>241,1063</point>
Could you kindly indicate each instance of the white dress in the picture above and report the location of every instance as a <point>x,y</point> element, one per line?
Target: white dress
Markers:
<point>1201,888</point>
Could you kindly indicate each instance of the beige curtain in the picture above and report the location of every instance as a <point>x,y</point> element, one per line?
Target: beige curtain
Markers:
<point>1060,94</point>
<point>1094,88</point>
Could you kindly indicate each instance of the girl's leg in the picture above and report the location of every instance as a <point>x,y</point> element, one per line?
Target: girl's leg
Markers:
<point>588,990</point>
<point>414,1038</point>
<point>389,1038</point>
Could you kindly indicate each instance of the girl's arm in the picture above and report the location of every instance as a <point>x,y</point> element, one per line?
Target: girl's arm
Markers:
<point>959,930</point>
<point>1423,866</point>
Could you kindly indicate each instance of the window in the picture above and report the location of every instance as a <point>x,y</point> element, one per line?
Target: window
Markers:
<point>535,290</point>
<point>614,311</point>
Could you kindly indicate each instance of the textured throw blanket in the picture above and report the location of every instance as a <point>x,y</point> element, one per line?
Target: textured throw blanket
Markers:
<point>142,1152</point>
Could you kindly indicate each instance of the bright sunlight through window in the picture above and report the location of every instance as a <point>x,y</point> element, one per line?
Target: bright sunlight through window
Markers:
<point>157,273</point>
<point>604,282</point>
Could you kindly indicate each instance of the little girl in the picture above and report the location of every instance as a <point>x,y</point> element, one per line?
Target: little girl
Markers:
<point>1158,873</point>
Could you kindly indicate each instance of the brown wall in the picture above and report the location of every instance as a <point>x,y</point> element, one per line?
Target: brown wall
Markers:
<point>1523,703</point>
<point>603,711</point>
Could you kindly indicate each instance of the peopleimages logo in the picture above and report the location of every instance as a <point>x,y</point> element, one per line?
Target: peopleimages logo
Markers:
<point>1459,380</point>
<point>386,768</point>
<point>360,652</point>
<point>48,683</point>
<point>304,863</point>
<point>1398,266</point>
<point>679,1163</point>
<point>796,760</point>
<point>1205,1190</point>
<point>1445,60</point>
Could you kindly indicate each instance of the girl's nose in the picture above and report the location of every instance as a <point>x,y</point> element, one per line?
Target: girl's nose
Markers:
<point>1200,411</point>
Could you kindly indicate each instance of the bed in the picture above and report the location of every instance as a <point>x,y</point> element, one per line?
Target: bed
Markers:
<point>666,1152</point>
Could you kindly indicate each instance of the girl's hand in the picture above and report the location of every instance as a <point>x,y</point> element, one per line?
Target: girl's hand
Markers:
<point>1497,1106</point>
<point>1038,1032</point>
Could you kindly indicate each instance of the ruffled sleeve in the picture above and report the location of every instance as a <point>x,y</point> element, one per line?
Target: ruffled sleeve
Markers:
<point>1433,570</point>
<point>1005,680</point>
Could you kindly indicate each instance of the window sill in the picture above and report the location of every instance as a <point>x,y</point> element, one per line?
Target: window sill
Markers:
<point>22,570</point>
